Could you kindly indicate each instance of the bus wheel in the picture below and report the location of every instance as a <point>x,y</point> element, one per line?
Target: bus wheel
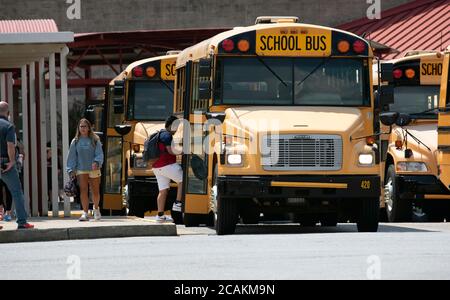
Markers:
<point>397,209</point>
<point>369,215</point>
<point>177,217</point>
<point>226,210</point>
<point>329,221</point>
<point>192,220</point>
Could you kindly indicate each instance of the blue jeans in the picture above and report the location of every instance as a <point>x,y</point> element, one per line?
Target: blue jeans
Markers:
<point>12,181</point>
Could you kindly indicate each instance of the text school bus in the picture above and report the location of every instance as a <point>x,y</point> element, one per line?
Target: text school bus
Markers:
<point>410,152</point>
<point>140,100</point>
<point>297,111</point>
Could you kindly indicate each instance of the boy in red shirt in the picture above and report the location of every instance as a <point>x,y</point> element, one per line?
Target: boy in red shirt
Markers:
<point>166,169</point>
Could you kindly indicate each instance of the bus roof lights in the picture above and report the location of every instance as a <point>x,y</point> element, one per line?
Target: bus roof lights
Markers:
<point>410,73</point>
<point>359,46</point>
<point>398,73</point>
<point>243,45</point>
<point>228,45</point>
<point>151,72</point>
<point>343,46</point>
<point>138,72</point>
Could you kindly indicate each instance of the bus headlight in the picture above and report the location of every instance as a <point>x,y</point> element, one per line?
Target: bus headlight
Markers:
<point>140,163</point>
<point>234,159</point>
<point>411,166</point>
<point>366,159</point>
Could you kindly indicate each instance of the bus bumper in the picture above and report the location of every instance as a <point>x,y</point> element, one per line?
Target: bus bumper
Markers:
<point>304,186</point>
<point>413,185</point>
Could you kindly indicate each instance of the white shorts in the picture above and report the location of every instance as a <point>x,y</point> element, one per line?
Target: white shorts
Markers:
<point>167,173</point>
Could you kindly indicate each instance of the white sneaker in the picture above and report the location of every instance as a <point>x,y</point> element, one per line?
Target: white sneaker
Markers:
<point>176,206</point>
<point>97,214</point>
<point>84,217</point>
<point>163,219</point>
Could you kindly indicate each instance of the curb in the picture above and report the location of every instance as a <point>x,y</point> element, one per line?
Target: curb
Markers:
<point>84,233</point>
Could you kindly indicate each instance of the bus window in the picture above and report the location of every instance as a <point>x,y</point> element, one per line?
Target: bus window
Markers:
<point>149,100</point>
<point>336,82</point>
<point>293,81</point>
<point>416,99</point>
<point>113,119</point>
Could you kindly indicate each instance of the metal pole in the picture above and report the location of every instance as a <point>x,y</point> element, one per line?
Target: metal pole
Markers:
<point>65,123</point>
<point>10,85</point>
<point>33,142</point>
<point>2,87</point>
<point>43,109</point>
<point>54,135</point>
<point>25,139</point>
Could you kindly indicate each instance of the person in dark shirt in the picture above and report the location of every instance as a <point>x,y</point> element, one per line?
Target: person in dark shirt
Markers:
<point>9,174</point>
<point>166,169</point>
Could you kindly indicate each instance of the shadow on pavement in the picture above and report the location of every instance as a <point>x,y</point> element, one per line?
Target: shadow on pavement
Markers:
<point>297,229</point>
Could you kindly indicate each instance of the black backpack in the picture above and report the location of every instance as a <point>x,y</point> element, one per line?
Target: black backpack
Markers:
<point>151,149</point>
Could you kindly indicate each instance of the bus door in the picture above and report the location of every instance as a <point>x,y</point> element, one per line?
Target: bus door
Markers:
<point>444,125</point>
<point>195,160</point>
<point>114,159</point>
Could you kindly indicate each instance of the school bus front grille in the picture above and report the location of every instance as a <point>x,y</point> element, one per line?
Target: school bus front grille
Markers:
<point>302,153</point>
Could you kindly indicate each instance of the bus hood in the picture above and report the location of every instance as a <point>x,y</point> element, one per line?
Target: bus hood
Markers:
<point>295,119</point>
<point>143,130</point>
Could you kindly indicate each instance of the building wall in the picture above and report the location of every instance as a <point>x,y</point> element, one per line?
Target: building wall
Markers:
<point>120,15</point>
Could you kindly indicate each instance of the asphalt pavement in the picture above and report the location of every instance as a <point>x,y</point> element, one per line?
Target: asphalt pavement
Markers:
<point>281,251</point>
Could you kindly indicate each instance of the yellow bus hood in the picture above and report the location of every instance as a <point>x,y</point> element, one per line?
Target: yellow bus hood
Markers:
<point>295,119</point>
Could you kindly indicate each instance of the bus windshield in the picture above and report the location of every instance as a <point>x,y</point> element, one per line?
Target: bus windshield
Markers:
<point>150,100</point>
<point>418,100</point>
<point>293,81</point>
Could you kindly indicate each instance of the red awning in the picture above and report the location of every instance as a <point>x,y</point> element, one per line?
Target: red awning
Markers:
<point>418,25</point>
<point>27,26</point>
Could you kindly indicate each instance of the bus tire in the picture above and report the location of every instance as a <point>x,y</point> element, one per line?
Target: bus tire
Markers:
<point>329,221</point>
<point>397,209</point>
<point>191,220</point>
<point>226,211</point>
<point>369,214</point>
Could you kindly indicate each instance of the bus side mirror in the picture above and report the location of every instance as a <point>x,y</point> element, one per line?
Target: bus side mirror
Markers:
<point>118,96</point>
<point>89,114</point>
<point>216,116</point>
<point>123,130</point>
<point>119,88</point>
<point>403,120</point>
<point>387,74</point>
<point>204,68</point>
<point>388,118</point>
<point>386,95</point>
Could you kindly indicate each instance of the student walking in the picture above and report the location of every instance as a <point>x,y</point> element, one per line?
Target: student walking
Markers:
<point>84,162</point>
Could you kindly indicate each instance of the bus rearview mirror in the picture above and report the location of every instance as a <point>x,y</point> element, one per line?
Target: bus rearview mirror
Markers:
<point>386,95</point>
<point>403,120</point>
<point>119,88</point>
<point>388,118</point>
<point>204,68</point>
<point>123,129</point>
<point>386,72</point>
<point>204,90</point>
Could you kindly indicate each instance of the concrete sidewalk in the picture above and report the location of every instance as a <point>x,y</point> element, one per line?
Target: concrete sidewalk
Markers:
<point>57,229</point>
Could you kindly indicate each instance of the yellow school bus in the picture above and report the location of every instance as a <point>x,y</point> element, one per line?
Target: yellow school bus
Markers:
<point>140,99</point>
<point>280,120</point>
<point>444,125</point>
<point>412,190</point>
